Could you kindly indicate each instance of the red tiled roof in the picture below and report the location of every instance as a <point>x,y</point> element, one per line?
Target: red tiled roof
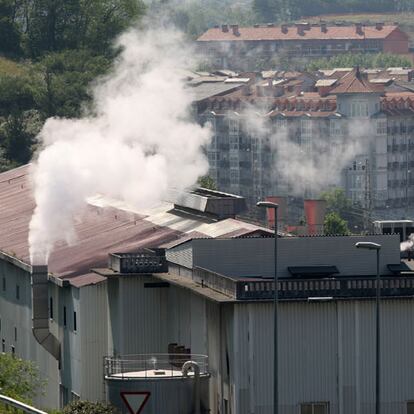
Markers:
<point>99,232</point>
<point>292,33</point>
<point>355,82</point>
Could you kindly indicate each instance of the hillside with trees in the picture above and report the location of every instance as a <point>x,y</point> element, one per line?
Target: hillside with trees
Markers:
<point>50,52</point>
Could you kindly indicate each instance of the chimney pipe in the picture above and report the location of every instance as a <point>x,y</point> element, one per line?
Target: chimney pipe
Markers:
<point>40,312</point>
<point>324,27</point>
<point>358,27</point>
<point>235,28</point>
<point>224,28</point>
<point>282,212</point>
<point>284,28</point>
<point>315,215</point>
<point>379,25</point>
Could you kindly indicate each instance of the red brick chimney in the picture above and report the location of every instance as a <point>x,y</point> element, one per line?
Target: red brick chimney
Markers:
<point>284,28</point>
<point>379,25</point>
<point>324,27</point>
<point>224,28</point>
<point>358,27</point>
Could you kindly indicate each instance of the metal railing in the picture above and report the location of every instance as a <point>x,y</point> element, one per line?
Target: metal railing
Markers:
<point>10,402</point>
<point>341,287</point>
<point>144,366</point>
<point>336,287</point>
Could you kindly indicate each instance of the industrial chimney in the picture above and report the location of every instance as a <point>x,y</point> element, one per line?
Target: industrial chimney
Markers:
<point>282,212</point>
<point>40,312</point>
<point>315,211</point>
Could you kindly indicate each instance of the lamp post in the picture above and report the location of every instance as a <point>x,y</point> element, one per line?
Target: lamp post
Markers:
<point>377,248</point>
<point>268,204</point>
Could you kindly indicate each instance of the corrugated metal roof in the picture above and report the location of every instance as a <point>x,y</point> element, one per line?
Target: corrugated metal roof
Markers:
<point>105,226</point>
<point>206,90</point>
<point>292,33</point>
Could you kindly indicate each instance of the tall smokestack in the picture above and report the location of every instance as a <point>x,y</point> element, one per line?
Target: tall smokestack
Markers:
<point>40,312</point>
<point>315,211</point>
<point>282,212</point>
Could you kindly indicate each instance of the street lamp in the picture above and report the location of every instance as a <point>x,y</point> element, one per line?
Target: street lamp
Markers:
<point>269,204</point>
<point>377,247</point>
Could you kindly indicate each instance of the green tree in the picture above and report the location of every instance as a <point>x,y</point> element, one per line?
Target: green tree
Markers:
<point>364,60</point>
<point>64,80</point>
<point>334,224</point>
<point>55,25</point>
<point>9,30</point>
<point>87,407</point>
<point>337,202</point>
<point>207,182</point>
<point>19,378</point>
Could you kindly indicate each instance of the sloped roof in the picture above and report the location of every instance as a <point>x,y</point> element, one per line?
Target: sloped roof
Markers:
<point>292,33</point>
<point>355,82</point>
<point>101,230</point>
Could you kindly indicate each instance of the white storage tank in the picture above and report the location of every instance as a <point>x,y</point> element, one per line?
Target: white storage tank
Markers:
<point>158,383</point>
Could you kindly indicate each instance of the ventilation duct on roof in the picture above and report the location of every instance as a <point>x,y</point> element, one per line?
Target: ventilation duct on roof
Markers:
<point>40,312</point>
<point>212,203</point>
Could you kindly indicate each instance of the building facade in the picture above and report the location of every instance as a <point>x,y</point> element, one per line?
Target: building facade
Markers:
<point>240,48</point>
<point>278,137</point>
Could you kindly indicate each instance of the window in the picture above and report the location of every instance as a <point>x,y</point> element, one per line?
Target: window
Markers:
<point>233,126</point>
<point>336,127</point>
<point>3,345</point>
<point>15,334</point>
<point>64,317</point>
<point>75,327</point>
<point>382,127</point>
<point>17,292</point>
<point>410,407</point>
<point>4,284</point>
<point>306,127</point>
<point>359,108</point>
<point>314,408</point>
<point>51,307</point>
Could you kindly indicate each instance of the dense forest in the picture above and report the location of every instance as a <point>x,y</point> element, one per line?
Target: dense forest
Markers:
<point>50,52</point>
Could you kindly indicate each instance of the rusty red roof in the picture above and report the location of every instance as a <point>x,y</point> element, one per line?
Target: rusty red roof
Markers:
<point>292,33</point>
<point>355,82</point>
<point>100,231</point>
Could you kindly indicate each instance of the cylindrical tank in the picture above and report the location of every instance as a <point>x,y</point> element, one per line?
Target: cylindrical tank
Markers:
<point>315,215</point>
<point>154,384</point>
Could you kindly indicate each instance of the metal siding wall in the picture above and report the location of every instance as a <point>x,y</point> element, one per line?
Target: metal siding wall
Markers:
<point>141,317</point>
<point>182,255</point>
<point>94,340</point>
<point>326,353</point>
<point>18,313</point>
<point>254,257</point>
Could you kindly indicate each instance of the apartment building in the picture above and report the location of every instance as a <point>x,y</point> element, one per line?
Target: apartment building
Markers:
<point>357,129</point>
<point>240,47</point>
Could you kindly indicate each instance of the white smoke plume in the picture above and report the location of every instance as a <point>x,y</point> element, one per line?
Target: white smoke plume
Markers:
<point>139,141</point>
<point>408,244</point>
<point>308,167</point>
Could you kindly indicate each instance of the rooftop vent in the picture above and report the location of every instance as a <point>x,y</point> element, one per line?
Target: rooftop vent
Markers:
<point>212,203</point>
<point>143,261</point>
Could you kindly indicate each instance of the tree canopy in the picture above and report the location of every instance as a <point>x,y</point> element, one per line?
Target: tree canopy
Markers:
<point>334,224</point>
<point>19,378</point>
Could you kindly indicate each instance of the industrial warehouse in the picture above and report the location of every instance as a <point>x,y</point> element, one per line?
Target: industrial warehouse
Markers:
<point>175,303</point>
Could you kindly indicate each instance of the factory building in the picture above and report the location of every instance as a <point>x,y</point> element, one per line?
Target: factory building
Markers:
<point>240,48</point>
<point>207,297</point>
<point>361,119</point>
